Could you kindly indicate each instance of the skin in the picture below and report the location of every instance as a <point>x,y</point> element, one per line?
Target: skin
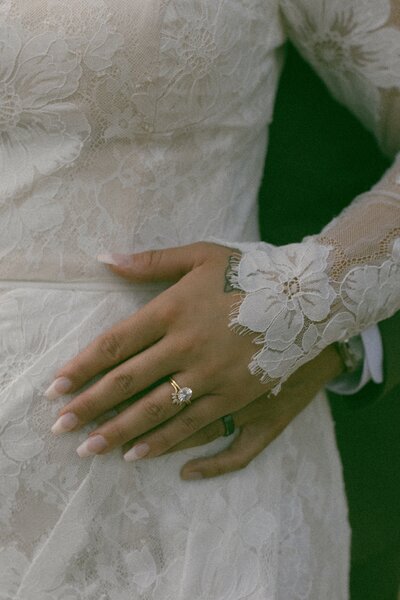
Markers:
<point>262,420</point>
<point>184,333</point>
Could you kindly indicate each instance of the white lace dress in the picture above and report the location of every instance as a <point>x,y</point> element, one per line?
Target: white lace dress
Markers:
<point>132,124</point>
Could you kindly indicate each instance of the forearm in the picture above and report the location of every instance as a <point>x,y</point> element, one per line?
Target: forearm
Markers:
<point>302,297</point>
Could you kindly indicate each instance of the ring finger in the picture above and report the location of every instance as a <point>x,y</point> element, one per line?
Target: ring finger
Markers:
<point>145,414</point>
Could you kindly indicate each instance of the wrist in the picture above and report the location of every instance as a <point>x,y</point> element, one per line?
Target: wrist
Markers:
<point>335,361</point>
<point>354,367</point>
<point>351,352</point>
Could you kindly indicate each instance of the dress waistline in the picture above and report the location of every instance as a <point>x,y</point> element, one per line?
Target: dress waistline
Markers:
<point>91,286</point>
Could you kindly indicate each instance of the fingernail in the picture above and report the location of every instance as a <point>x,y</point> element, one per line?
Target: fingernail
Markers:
<point>192,476</point>
<point>92,445</point>
<point>65,423</point>
<point>60,386</point>
<point>138,451</point>
<point>119,260</point>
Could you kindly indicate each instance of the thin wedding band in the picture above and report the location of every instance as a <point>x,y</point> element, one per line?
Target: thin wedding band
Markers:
<point>180,395</point>
<point>229,425</point>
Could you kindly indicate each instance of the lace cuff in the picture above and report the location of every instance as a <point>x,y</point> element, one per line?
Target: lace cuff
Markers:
<point>300,298</point>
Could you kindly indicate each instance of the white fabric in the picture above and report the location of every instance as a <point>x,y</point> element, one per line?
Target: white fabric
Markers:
<point>350,383</point>
<point>373,347</point>
<point>371,367</point>
<point>370,370</point>
<point>302,297</point>
<point>127,125</point>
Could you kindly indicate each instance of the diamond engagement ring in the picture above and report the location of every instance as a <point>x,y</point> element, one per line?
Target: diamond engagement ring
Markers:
<point>180,395</point>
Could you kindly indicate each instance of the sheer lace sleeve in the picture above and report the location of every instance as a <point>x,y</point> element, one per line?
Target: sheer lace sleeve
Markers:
<point>301,297</point>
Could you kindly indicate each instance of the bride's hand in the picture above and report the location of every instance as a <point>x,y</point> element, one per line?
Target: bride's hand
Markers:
<point>182,333</point>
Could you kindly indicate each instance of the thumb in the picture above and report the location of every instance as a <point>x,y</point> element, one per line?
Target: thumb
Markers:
<point>246,446</point>
<point>169,264</point>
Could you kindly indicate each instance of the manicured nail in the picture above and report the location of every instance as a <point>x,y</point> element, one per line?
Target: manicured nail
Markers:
<point>65,423</point>
<point>138,451</point>
<point>192,476</point>
<point>92,445</point>
<point>119,260</point>
<point>60,386</point>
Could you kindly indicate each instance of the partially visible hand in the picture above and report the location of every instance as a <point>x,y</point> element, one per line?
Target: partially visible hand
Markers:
<point>182,333</point>
<point>262,420</point>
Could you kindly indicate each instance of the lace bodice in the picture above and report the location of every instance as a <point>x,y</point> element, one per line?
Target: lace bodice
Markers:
<point>129,125</point>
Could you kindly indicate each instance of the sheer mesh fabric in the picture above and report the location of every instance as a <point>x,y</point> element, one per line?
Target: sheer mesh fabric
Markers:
<point>302,297</point>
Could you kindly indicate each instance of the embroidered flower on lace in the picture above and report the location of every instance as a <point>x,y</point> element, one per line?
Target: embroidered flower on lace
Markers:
<point>127,104</point>
<point>348,45</point>
<point>286,288</point>
<point>38,129</point>
<point>14,565</point>
<point>122,123</point>
<point>200,62</point>
<point>26,217</point>
<point>17,444</point>
<point>9,471</point>
<point>5,6</point>
<point>87,29</point>
<point>297,310</point>
<point>143,569</point>
<point>368,290</point>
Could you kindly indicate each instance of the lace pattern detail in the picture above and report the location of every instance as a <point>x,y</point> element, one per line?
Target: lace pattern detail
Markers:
<point>106,111</point>
<point>129,125</point>
<point>302,297</point>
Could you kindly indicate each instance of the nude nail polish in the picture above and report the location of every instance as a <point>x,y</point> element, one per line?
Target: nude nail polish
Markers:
<point>65,423</point>
<point>92,445</point>
<point>60,386</point>
<point>138,451</point>
<point>119,260</point>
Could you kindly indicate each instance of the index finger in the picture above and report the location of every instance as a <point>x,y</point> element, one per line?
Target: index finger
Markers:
<point>125,339</point>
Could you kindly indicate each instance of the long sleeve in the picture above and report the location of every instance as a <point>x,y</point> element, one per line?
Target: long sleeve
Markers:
<point>301,297</point>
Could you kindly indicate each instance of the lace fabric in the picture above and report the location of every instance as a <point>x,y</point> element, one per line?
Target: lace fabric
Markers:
<point>129,125</point>
<point>302,297</point>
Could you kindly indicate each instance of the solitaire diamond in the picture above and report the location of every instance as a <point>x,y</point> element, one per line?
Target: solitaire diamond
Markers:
<point>183,396</point>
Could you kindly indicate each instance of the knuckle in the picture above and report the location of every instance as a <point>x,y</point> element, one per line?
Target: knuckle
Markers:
<point>216,468</point>
<point>189,423</point>
<point>163,442</point>
<point>210,435</point>
<point>124,382</point>
<point>183,346</point>
<point>110,348</point>
<point>154,412</point>
<point>86,408</point>
<point>151,259</point>
<point>167,312</point>
<point>117,432</point>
